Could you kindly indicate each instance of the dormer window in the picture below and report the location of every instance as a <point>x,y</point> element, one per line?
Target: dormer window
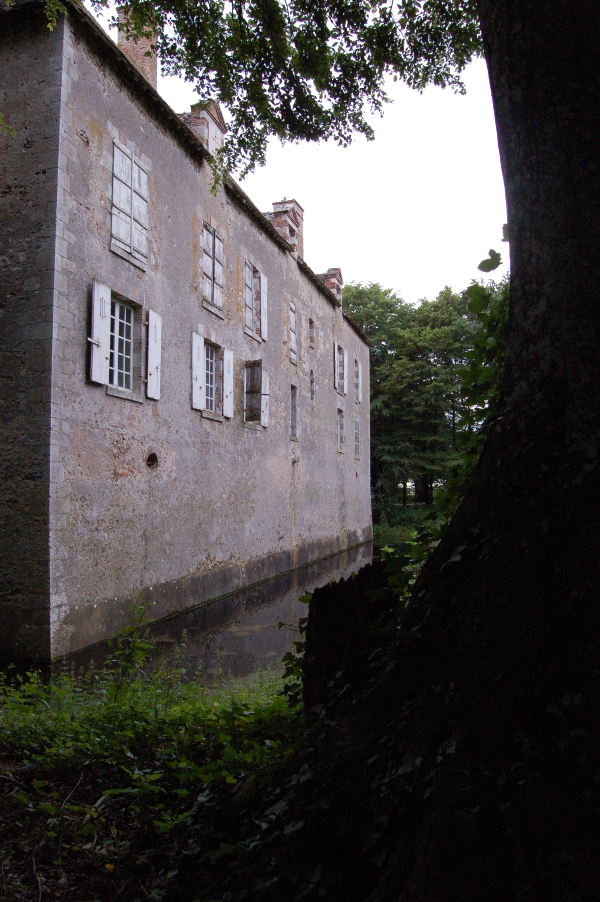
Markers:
<point>207,122</point>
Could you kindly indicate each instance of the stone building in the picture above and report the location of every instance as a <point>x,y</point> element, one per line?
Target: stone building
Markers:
<point>184,403</point>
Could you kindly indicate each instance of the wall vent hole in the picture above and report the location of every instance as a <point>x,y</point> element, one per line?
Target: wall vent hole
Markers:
<point>152,461</point>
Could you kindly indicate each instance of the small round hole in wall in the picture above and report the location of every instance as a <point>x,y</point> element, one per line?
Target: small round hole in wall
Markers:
<point>152,461</point>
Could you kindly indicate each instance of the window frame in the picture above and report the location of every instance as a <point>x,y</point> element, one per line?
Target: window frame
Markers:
<point>210,376</point>
<point>254,366</point>
<point>341,436</point>
<point>341,370</point>
<point>293,333</point>
<point>129,207</point>
<point>311,333</point>
<point>213,269</point>
<point>118,307</point>
<point>252,294</point>
<point>294,413</point>
<point>357,438</point>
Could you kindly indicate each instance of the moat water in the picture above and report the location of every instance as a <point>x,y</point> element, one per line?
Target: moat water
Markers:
<point>244,633</point>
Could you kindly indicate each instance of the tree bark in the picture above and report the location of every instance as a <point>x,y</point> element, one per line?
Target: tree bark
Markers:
<point>497,661</point>
<point>504,616</point>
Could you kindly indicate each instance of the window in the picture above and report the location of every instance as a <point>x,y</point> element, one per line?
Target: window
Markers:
<point>294,412</point>
<point>255,301</point>
<point>120,366</point>
<point>256,394</point>
<point>129,231</point>
<point>357,382</point>
<point>356,437</point>
<point>311,333</point>
<point>212,378</point>
<point>340,368</point>
<point>312,385</point>
<point>118,341</point>
<point>340,430</point>
<point>293,342</point>
<point>212,275</point>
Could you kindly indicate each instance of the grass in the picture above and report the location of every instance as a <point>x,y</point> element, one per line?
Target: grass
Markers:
<point>107,778</point>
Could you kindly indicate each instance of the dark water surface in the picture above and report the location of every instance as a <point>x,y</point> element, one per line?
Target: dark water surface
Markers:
<point>238,634</point>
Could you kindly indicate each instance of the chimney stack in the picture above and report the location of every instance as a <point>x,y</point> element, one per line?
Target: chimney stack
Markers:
<point>288,219</point>
<point>333,280</point>
<point>137,50</point>
<point>207,122</point>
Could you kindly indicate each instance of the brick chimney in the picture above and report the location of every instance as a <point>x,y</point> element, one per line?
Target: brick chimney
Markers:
<point>288,219</point>
<point>206,121</point>
<point>333,280</point>
<point>137,50</point>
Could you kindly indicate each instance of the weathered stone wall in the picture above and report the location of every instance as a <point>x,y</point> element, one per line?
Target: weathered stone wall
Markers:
<point>30,98</point>
<point>227,505</point>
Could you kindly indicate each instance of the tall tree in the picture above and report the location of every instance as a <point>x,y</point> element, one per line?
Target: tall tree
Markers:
<point>417,354</point>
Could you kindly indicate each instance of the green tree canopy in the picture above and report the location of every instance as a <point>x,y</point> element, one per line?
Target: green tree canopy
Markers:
<point>435,371</point>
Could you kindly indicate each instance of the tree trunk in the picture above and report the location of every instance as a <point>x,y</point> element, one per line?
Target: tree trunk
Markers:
<point>404,493</point>
<point>485,773</point>
<point>504,620</point>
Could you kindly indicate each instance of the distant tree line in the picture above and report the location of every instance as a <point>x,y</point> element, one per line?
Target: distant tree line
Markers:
<point>435,372</point>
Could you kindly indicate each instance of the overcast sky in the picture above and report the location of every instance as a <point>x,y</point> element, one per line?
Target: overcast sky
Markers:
<point>416,209</point>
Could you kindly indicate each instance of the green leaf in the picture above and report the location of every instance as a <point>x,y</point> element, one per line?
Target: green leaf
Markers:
<point>492,263</point>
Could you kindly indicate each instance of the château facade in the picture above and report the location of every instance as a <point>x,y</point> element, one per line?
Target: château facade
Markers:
<point>185,404</point>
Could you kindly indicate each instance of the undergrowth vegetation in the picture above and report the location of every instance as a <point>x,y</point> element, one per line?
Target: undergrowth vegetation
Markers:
<point>107,778</point>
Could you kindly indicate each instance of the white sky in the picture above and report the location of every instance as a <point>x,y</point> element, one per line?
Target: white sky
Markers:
<point>416,209</point>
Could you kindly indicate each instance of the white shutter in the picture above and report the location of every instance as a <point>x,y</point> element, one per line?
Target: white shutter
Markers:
<point>198,374</point>
<point>218,285</point>
<point>345,372</point>
<point>121,196</point>
<point>140,180</point>
<point>264,398</point>
<point>228,382</point>
<point>140,210</point>
<point>100,339</point>
<point>122,163</point>
<point>360,382</point>
<point>154,342</point>
<point>293,346</point>
<point>263,306</point>
<point>336,365</point>
<point>248,295</point>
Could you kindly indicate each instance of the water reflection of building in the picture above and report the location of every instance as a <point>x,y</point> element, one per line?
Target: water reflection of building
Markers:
<point>239,634</point>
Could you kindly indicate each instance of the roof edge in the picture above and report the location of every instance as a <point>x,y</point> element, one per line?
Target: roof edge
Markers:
<point>354,325</point>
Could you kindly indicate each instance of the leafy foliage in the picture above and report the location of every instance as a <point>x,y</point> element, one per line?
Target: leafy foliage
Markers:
<point>435,375</point>
<point>106,770</point>
<point>303,69</point>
